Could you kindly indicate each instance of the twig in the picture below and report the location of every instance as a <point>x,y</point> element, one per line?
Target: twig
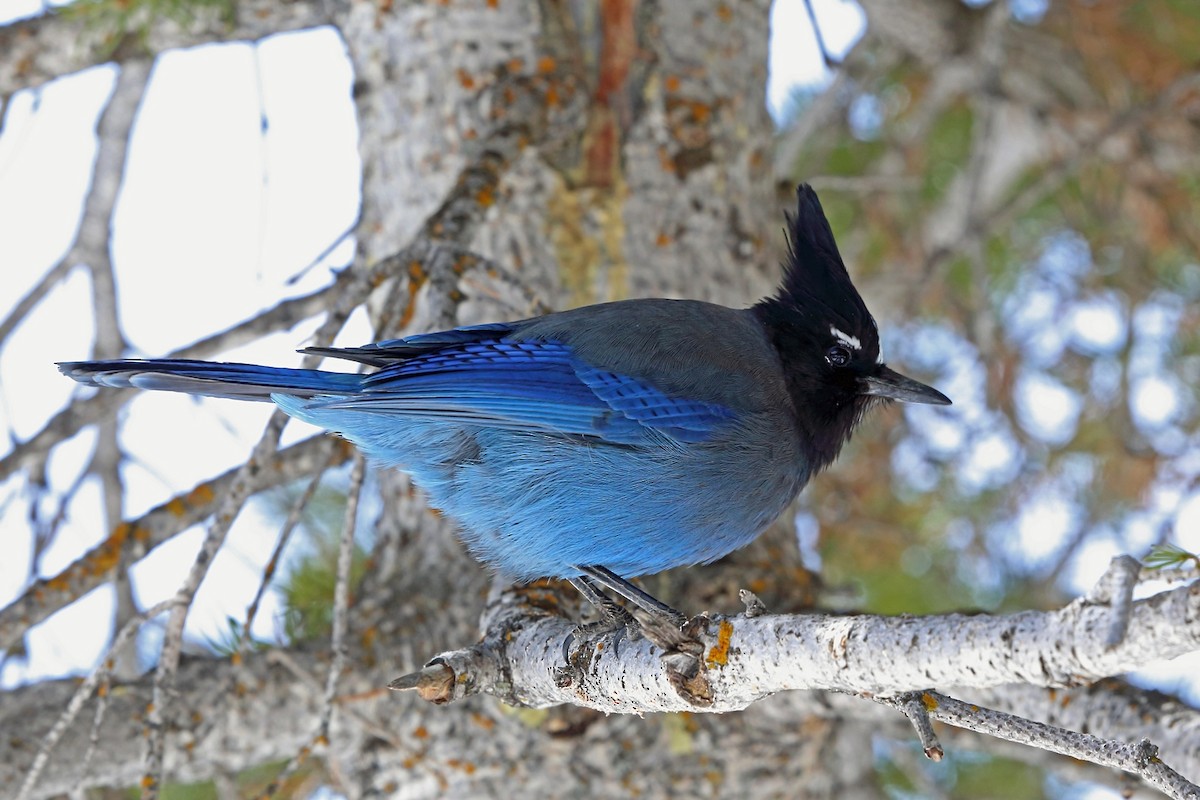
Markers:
<point>172,646</point>
<point>102,692</point>
<point>1115,590</point>
<point>1140,759</point>
<point>288,661</point>
<point>285,535</point>
<point>34,296</point>
<point>830,62</point>
<point>81,694</point>
<point>1055,174</point>
<point>916,706</point>
<point>324,254</point>
<point>46,595</point>
<point>34,53</point>
<point>341,608</point>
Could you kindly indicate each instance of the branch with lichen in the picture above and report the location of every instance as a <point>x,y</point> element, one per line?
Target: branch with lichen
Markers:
<point>531,656</point>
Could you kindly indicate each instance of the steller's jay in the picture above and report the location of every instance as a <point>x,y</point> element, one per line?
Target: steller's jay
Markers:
<point>607,441</point>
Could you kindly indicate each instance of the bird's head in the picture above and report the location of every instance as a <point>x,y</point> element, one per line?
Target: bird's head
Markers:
<point>827,339</point>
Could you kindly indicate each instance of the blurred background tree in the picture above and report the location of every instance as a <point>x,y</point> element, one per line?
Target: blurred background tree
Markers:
<point>1014,188</point>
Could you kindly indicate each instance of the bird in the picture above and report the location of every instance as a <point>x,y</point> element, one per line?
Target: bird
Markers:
<point>603,442</point>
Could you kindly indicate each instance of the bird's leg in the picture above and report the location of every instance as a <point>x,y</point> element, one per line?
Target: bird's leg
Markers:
<point>647,602</point>
<point>612,615</point>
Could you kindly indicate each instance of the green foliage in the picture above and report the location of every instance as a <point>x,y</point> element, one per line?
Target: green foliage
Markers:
<point>251,782</point>
<point>229,642</point>
<point>1173,25</point>
<point>309,590</point>
<point>1163,556</point>
<point>946,149</point>
<point>996,778</point>
<point>962,775</point>
<point>895,779</point>
<point>308,582</point>
<point>852,156</point>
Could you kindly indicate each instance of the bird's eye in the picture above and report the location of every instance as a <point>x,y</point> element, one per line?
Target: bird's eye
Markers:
<point>838,356</point>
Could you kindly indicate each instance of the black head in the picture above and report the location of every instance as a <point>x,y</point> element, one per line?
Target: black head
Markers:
<point>827,339</point>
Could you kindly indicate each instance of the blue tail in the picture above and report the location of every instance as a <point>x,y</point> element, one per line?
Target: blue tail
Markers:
<point>233,381</point>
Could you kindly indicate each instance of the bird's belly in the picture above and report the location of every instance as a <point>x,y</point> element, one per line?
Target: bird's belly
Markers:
<point>532,505</point>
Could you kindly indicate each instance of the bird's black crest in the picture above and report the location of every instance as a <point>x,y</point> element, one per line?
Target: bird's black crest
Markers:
<point>815,280</point>
<point>815,310</point>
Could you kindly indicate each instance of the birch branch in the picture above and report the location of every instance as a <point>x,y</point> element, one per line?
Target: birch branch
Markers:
<point>1140,759</point>
<point>39,49</point>
<point>277,705</point>
<point>47,595</point>
<point>739,660</point>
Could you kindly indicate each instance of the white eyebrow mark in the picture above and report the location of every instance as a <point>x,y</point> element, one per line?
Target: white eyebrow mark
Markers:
<point>845,338</point>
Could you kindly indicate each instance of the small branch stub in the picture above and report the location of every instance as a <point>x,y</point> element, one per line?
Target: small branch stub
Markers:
<point>434,683</point>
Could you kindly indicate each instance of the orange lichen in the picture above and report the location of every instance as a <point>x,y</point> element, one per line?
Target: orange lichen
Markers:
<point>929,701</point>
<point>546,64</point>
<point>718,656</point>
<point>201,495</point>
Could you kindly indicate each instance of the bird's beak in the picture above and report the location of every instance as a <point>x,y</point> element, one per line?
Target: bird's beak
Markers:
<point>892,385</point>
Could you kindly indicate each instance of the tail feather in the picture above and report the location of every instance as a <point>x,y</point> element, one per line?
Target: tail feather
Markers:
<point>232,381</point>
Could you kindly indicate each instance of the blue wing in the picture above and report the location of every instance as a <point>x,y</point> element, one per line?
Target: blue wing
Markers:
<point>472,376</point>
<point>477,375</point>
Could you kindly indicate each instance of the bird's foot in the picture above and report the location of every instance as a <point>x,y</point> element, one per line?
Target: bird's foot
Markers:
<point>614,619</point>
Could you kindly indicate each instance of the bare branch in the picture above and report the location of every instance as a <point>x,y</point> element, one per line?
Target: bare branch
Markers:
<point>746,659</point>
<point>81,695</point>
<point>158,716</point>
<point>1139,759</point>
<point>40,49</point>
<point>47,595</point>
<point>341,610</point>
<point>276,706</point>
<point>915,706</point>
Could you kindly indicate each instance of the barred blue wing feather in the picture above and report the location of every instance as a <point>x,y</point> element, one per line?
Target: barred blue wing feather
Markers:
<point>528,385</point>
<point>465,375</point>
<point>390,351</point>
